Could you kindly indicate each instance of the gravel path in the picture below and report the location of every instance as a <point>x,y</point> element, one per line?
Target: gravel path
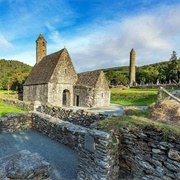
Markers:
<point>63,160</point>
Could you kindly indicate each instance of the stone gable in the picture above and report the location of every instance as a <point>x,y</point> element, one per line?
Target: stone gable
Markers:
<point>64,72</point>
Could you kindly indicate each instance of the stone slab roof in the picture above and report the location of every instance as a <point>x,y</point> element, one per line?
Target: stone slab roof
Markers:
<point>42,72</point>
<point>88,78</point>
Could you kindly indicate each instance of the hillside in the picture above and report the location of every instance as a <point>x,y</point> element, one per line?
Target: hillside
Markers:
<point>13,74</point>
<point>164,71</point>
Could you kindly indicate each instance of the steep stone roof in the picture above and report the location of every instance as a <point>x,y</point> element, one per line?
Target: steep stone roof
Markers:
<point>88,78</point>
<point>40,37</point>
<point>41,72</point>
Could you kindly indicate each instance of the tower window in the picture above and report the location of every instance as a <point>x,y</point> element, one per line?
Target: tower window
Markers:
<point>43,44</point>
<point>102,95</point>
<point>65,71</point>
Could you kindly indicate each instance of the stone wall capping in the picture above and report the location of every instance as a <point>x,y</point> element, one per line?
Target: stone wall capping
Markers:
<point>5,118</point>
<point>101,134</point>
<point>24,165</point>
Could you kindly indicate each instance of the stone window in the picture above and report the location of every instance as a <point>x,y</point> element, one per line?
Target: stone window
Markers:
<point>43,43</point>
<point>65,71</point>
<point>77,100</point>
<point>102,95</point>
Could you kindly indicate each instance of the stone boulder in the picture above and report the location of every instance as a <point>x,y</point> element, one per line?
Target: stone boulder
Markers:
<point>24,165</point>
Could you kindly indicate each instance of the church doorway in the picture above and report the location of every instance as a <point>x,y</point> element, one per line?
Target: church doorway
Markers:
<point>66,98</point>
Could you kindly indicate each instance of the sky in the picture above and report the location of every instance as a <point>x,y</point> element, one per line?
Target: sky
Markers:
<point>97,33</point>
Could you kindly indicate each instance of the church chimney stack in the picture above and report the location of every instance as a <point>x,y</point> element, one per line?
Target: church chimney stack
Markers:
<point>40,48</point>
<point>132,68</point>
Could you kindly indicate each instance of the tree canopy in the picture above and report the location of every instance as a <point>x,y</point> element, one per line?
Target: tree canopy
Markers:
<point>163,71</point>
<point>13,74</point>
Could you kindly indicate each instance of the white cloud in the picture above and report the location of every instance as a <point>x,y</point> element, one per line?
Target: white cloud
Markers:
<point>5,44</point>
<point>151,34</point>
<point>154,33</point>
<point>28,57</point>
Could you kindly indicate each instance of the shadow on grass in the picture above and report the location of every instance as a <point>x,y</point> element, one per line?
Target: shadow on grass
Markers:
<point>3,114</point>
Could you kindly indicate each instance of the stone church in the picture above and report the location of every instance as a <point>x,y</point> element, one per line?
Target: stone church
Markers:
<point>54,80</point>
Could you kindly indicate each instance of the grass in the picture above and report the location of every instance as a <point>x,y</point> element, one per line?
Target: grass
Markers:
<point>4,94</point>
<point>138,119</point>
<point>7,109</point>
<point>133,97</point>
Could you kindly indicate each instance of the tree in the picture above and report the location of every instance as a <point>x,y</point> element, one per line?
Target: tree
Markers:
<point>116,78</point>
<point>172,73</point>
<point>173,56</point>
<point>7,70</point>
<point>121,79</point>
<point>147,74</point>
<point>18,81</point>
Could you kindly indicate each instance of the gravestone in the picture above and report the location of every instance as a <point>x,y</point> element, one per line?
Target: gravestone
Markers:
<point>157,82</point>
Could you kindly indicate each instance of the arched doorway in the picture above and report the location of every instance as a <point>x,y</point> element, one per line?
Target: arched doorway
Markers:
<point>66,98</point>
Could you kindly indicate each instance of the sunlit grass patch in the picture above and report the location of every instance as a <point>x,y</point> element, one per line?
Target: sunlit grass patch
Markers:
<point>135,97</point>
<point>7,109</point>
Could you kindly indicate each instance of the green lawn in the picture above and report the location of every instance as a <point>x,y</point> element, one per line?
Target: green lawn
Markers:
<point>4,94</point>
<point>7,109</point>
<point>133,97</point>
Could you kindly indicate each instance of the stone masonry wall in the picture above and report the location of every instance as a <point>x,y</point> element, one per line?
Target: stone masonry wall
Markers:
<point>144,155</point>
<point>24,165</point>
<point>15,122</point>
<point>36,93</point>
<point>100,161</point>
<point>78,117</point>
<point>85,94</point>
<point>139,154</point>
<point>98,157</point>
<point>20,104</point>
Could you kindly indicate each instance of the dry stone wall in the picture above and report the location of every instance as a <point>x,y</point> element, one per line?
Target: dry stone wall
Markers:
<point>138,154</point>
<point>98,157</point>
<point>24,165</point>
<point>95,148</point>
<point>144,155</point>
<point>78,117</point>
<point>21,104</point>
<point>15,122</point>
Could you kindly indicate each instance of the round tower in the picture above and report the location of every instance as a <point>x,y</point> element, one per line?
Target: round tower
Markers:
<point>132,67</point>
<point>40,48</point>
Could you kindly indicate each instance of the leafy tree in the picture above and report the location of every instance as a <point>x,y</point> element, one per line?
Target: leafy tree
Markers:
<point>146,74</point>
<point>18,81</point>
<point>121,79</point>
<point>8,73</point>
<point>172,70</point>
<point>116,78</point>
<point>173,56</point>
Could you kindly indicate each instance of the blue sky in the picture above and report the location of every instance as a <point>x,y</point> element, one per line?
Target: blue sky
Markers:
<point>97,33</point>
